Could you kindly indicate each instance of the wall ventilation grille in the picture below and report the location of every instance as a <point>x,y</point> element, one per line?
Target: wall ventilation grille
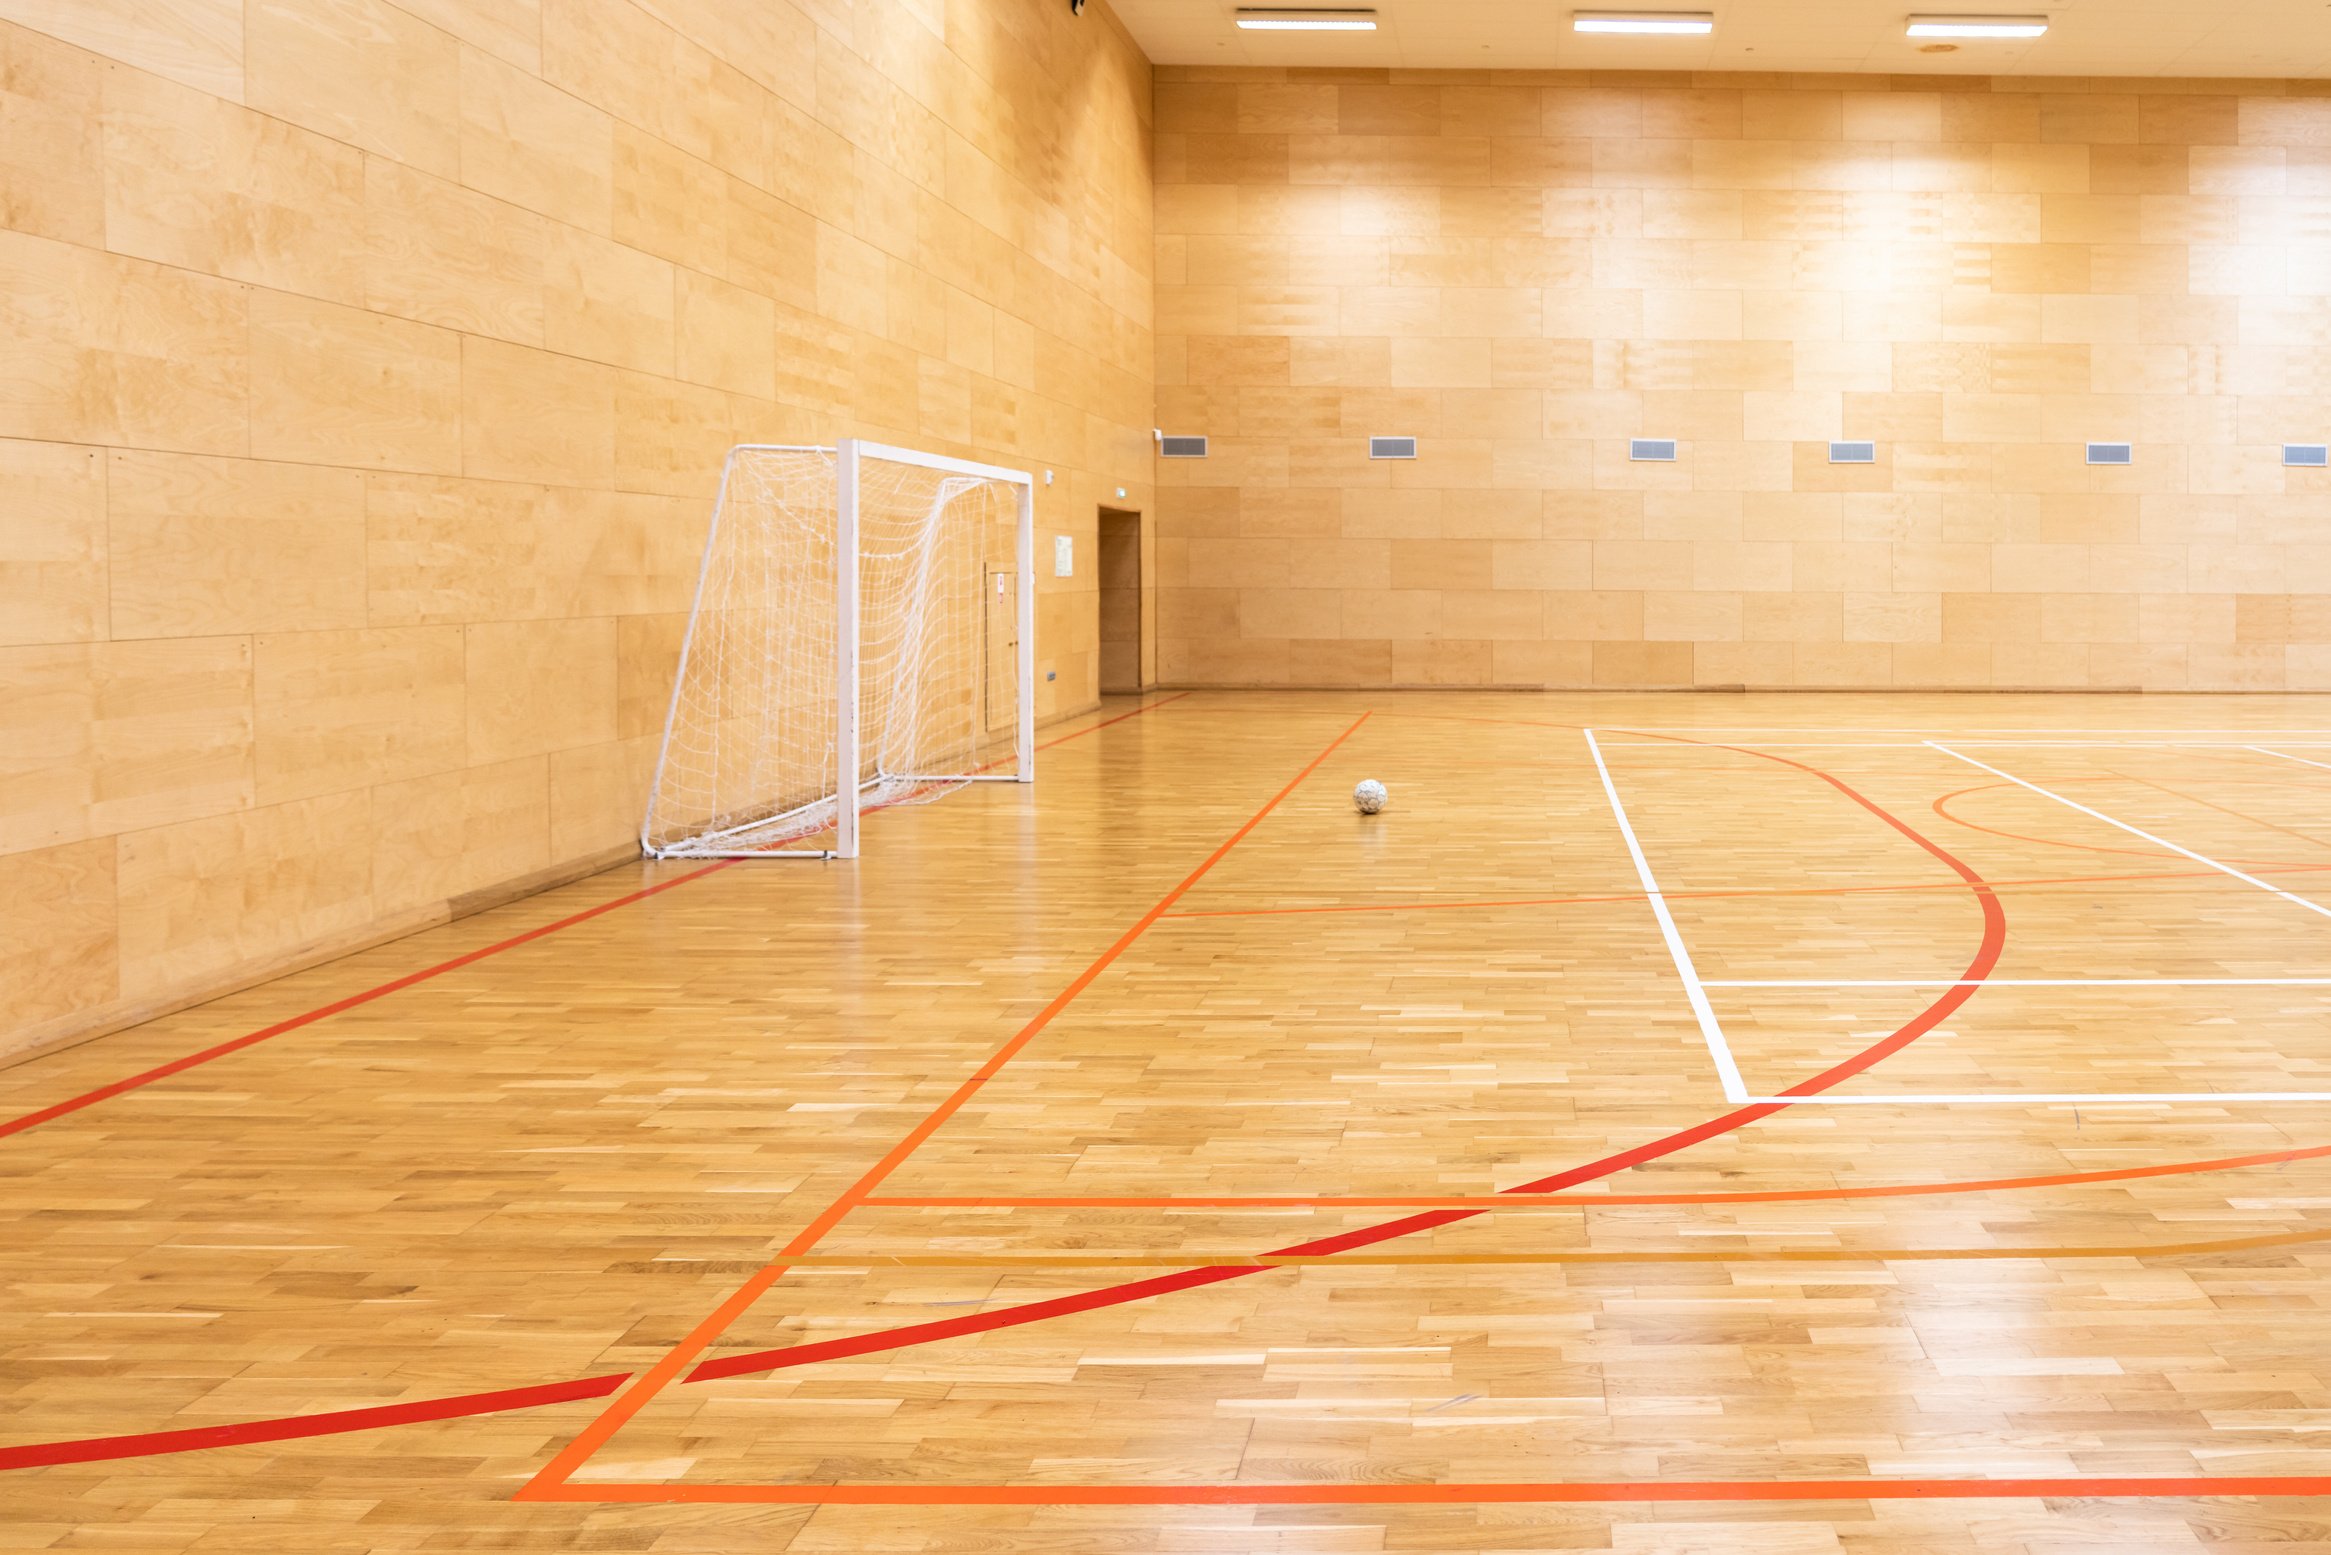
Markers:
<point>1391,447</point>
<point>2111,453</point>
<point>2312,455</point>
<point>1853,453</point>
<point>1182,447</point>
<point>1653,450</point>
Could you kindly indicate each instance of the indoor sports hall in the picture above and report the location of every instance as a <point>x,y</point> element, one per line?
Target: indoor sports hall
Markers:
<point>1148,778</point>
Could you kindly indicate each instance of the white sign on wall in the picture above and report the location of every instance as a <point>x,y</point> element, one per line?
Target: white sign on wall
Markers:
<point>1063,556</point>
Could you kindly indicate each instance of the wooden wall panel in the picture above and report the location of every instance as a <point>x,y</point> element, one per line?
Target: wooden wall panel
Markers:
<point>202,547</point>
<point>196,42</point>
<point>370,368</point>
<point>202,898</point>
<point>1524,271</point>
<point>57,912</point>
<point>204,185</point>
<point>53,547</point>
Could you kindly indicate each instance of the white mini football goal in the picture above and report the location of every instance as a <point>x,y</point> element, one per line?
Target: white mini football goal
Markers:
<point>863,636</point>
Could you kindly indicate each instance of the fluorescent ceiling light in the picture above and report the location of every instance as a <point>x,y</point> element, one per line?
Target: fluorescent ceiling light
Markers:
<point>1668,22</point>
<point>1977,26</point>
<point>1307,21</point>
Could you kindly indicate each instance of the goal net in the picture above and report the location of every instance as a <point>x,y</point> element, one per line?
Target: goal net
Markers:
<point>862,637</point>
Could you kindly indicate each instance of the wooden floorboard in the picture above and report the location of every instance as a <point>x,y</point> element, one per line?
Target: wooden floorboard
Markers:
<point>1231,1247</point>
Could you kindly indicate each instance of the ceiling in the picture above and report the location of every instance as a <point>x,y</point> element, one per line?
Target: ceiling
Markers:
<point>2085,38</point>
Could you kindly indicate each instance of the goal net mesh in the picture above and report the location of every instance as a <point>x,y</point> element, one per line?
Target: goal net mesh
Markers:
<point>751,760</point>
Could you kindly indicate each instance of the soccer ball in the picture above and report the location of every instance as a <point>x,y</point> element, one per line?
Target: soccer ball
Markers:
<point>1370,796</point>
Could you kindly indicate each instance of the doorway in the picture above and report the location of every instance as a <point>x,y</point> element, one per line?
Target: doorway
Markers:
<point>1119,568</point>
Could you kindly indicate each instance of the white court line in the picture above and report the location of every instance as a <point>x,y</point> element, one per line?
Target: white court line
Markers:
<point>2312,729</point>
<point>2045,1098</point>
<point>2017,982</point>
<point>2301,760</point>
<point>1912,745</point>
<point>1727,1072</point>
<point>2199,858</point>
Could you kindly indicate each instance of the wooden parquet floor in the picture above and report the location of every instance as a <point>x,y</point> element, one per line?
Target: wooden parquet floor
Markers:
<point>1168,1159</point>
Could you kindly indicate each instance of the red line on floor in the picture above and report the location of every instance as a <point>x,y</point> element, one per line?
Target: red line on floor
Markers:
<point>339,1006</point>
<point>1410,1493</point>
<point>1986,958</point>
<point>628,1403</point>
<point>98,1449</point>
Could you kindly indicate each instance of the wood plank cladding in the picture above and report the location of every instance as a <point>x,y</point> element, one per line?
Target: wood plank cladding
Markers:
<point>371,364</point>
<point>1527,271</point>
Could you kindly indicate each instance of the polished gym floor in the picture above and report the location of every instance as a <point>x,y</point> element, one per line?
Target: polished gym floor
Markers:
<point>1680,1123</point>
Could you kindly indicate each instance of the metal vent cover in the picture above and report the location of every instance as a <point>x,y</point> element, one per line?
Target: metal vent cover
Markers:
<point>1181,447</point>
<point>1654,450</point>
<point>2310,455</point>
<point>1391,447</point>
<point>2111,453</point>
<point>1853,453</point>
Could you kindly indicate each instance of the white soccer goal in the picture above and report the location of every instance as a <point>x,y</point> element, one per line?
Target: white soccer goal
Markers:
<point>863,636</point>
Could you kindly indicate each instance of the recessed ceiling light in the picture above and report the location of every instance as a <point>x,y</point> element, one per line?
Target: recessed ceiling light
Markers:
<point>1977,26</point>
<point>1307,21</point>
<point>1668,22</point>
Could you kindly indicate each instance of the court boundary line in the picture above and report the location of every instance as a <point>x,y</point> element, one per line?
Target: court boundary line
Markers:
<point>1410,1492</point>
<point>1742,892</point>
<point>1565,1255</point>
<point>2019,982</point>
<point>2301,760</point>
<point>1727,1071</point>
<point>1584,1201</point>
<point>1911,745</point>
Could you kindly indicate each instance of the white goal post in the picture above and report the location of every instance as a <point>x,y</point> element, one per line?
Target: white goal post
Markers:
<point>863,635</point>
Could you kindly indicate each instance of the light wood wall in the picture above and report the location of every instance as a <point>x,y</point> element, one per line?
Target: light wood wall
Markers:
<point>368,370</point>
<point>1526,270</point>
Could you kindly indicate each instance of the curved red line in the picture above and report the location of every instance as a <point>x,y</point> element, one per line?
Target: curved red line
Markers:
<point>97,1449</point>
<point>1986,959</point>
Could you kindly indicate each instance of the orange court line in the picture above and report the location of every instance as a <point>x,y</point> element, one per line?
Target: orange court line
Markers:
<point>2054,842</point>
<point>656,1378</point>
<point>2238,815</point>
<point>1009,1261</point>
<point>1591,1200</point>
<point>1414,1493</point>
<point>1743,891</point>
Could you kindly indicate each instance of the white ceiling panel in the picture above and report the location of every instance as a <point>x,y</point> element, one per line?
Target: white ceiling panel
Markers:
<point>2085,37</point>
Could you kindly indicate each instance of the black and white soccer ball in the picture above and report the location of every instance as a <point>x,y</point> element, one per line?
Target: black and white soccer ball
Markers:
<point>1370,796</point>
